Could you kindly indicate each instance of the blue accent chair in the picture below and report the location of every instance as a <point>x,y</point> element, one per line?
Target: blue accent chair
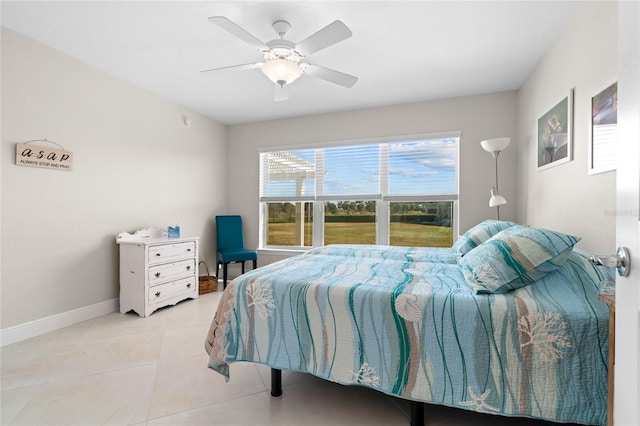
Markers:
<point>230,245</point>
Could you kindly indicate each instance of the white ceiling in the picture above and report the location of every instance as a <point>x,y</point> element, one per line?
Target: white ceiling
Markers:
<point>402,51</point>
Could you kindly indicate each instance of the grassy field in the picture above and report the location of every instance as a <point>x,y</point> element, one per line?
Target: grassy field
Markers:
<point>411,234</point>
<point>402,234</point>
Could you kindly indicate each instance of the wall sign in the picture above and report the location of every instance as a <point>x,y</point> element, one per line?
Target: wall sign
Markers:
<point>32,155</point>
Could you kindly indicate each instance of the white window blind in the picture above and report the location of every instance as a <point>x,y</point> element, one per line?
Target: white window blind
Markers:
<point>288,175</point>
<point>423,168</point>
<point>351,173</point>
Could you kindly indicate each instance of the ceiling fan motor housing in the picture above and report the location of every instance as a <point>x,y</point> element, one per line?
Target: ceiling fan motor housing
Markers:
<point>281,28</point>
<point>281,51</point>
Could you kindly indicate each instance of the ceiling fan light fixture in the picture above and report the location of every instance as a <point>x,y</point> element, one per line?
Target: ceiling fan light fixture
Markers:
<point>283,58</point>
<point>282,71</point>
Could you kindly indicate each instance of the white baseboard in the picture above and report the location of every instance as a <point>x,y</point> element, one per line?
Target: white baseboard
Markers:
<point>37,327</point>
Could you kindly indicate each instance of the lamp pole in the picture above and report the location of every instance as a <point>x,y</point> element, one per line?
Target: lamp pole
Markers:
<point>495,146</point>
<point>495,160</point>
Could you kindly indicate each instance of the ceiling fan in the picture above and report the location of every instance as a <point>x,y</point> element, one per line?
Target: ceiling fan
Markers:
<point>284,60</point>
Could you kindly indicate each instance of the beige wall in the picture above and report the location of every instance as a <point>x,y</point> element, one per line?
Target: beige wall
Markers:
<point>565,197</point>
<point>477,117</point>
<point>135,164</point>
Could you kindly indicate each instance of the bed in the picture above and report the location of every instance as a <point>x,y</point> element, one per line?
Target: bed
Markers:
<point>439,326</point>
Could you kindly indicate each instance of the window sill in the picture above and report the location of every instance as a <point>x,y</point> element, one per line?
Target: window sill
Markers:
<point>282,251</point>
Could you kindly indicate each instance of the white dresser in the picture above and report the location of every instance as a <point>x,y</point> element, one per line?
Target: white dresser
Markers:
<point>156,271</point>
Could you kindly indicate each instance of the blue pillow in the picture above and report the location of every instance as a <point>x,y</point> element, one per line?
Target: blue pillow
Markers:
<point>479,234</point>
<point>514,258</point>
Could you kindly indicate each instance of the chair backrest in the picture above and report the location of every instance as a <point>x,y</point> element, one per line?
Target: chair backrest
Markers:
<point>229,232</point>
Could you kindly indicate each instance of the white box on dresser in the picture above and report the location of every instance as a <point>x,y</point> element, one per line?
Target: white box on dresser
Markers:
<point>156,271</point>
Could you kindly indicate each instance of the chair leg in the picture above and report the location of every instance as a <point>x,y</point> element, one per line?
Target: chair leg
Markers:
<point>255,263</point>
<point>243,266</point>
<point>224,275</point>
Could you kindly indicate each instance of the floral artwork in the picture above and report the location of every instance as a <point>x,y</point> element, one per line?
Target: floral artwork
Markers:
<point>554,134</point>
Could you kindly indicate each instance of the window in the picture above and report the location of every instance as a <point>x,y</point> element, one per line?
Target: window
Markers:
<point>350,222</point>
<point>290,224</point>
<point>421,224</point>
<point>399,192</point>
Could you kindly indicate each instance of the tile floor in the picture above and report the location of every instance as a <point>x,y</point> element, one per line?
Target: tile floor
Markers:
<point>125,370</point>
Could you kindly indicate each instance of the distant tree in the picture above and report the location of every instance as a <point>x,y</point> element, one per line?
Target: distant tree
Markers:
<point>331,208</point>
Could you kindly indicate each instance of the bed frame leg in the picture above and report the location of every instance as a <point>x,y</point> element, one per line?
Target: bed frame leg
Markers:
<point>417,408</point>
<point>276,382</point>
<point>417,413</point>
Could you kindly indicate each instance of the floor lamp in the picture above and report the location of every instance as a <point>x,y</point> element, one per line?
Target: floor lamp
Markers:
<point>495,146</point>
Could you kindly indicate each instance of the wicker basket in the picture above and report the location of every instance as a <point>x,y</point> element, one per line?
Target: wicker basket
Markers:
<point>207,283</point>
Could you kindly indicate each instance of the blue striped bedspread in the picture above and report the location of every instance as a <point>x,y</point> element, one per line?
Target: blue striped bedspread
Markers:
<point>403,321</point>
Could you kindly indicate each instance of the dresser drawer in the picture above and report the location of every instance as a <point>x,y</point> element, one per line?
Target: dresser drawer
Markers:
<point>162,292</point>
<point>169,271</point>
<point>170,252</point>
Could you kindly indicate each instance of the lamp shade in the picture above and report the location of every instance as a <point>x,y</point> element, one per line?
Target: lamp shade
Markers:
<point>495,145</point>
<point>496,199</point>
<point>281,71</point>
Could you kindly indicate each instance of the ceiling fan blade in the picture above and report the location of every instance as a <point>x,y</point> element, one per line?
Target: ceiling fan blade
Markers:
<point>242,67</point>
<point>233,28</point>
<point>333,76</point>
<point>327,36</point>
<point>281,93</point>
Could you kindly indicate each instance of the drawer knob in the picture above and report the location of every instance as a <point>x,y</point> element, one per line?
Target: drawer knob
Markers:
<point>189,285</point>
<point>157,294</point>
<point>188,249</point>
<point>188,268</point>
<point>157,274</point>
<point>157,254</point>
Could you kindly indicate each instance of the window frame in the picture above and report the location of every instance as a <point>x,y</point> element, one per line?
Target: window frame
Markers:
<point>382,199</point>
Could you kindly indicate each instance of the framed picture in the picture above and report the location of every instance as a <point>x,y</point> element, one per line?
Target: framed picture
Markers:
<point>604,131</point>
<point>555,133</point>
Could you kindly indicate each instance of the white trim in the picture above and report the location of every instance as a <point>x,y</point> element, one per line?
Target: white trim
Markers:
<point>382,208</point>
<point>40,326</point>
<point>421,198</point>
<point>317,234</point>
<point>349,197</point>
<point>383,223</point>
<point>262,230</point>
<point>288,251</point>
<point>287,198</point>
<point>363,141</point>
